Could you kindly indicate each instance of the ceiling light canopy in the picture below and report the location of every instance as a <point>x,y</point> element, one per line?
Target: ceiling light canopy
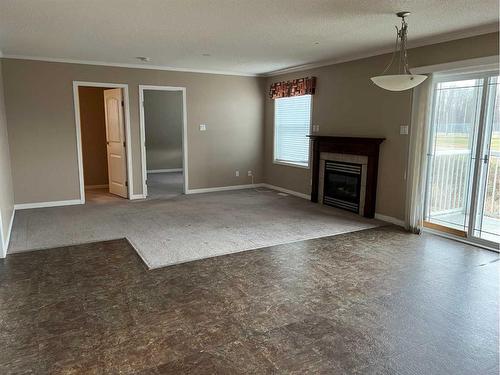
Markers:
<point>403,79</point>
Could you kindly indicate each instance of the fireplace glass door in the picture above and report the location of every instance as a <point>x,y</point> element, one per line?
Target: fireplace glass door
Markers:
<point>342,185</point>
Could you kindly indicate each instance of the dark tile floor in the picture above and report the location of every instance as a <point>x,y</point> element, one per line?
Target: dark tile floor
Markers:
<point>379,301</point>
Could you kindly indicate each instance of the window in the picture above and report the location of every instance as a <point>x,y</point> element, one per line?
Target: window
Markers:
<point>292,122</point>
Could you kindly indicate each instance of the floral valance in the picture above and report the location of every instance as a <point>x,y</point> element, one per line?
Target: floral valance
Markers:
<point>295,87</point>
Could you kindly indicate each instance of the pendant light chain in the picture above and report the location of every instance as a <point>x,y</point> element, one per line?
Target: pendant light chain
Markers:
<point>403,35</point>
<point>400,46</point>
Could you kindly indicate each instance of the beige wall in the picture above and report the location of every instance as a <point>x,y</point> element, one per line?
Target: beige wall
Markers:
<point>6,191</point>
<point>93,126</point>
<point>163,116</point>
<point>347,103</point>
<point>39,103</point>
<point>40,114</point>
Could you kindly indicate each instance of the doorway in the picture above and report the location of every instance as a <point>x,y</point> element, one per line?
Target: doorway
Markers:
<point>163,135</point>
<point>103,133</point>
<point>463,175</point>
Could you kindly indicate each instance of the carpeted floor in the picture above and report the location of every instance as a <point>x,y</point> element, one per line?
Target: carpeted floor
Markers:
<point>185,228</point>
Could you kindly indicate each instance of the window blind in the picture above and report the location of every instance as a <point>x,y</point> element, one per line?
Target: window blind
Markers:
<point>292,122</point>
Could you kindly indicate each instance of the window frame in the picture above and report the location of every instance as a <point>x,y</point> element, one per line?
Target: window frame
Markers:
<point>291,163</point>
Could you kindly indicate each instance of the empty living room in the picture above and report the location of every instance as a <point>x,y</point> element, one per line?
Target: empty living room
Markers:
<point>249,187</point>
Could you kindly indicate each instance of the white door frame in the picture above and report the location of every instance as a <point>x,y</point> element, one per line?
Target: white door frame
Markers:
<point>143,133</point>
<point>76,102</point>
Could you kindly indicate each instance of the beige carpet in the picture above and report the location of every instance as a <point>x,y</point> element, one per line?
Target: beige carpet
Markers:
<point>184,228</point>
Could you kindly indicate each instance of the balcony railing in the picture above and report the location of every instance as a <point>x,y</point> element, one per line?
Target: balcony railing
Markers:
<point>450,183</point>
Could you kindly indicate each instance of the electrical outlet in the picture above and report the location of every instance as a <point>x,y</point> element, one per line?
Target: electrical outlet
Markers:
<point>203,127</point>
<point>403,129</point>
<point>237,173</point>
<point>250,173</point>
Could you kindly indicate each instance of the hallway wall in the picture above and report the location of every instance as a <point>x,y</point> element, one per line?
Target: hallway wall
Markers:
<point>43,139</point>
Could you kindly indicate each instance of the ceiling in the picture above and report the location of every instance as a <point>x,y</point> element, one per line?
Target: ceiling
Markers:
<point>231,36</point>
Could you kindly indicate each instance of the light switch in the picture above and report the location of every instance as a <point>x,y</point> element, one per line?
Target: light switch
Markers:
<point>203,127</point>
<point>403,129</point>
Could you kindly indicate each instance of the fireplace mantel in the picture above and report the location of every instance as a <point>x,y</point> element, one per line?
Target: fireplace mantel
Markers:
<point>368,147</point>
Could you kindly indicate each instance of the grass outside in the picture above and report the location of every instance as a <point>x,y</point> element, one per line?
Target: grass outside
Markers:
<point>461,142</point>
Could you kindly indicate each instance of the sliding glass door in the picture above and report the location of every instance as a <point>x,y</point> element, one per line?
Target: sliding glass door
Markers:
<point>487,210</point>
<point>463,170</point>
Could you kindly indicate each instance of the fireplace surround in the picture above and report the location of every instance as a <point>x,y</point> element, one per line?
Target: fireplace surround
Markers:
<point>344,172</point>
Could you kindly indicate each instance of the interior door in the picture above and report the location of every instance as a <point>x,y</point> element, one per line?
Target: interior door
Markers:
<point>115,138</point>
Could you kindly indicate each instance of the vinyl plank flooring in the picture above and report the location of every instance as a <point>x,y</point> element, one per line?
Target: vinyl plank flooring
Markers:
<point>378,301</point>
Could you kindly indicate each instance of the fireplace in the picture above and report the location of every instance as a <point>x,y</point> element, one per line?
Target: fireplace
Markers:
<point>342,185</point>
<point>344,172</point>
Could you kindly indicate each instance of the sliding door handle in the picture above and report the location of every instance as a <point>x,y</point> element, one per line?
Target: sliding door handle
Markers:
<point>485,159</point>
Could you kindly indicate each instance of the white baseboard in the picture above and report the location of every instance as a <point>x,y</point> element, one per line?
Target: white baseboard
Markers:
<point>291,192</point>
<point>164,170</point>
<point>91,187</point>
<point>390,219</point>
<point>25,206</point>
<point>137,196</point>
<point>223,188</point>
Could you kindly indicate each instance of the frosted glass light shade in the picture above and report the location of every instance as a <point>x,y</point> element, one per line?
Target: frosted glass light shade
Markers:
<point>398,82</point>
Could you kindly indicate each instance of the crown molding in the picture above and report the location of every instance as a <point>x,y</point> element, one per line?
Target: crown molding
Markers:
<point>125,65</point>
<point>357,56</point>
<point>448,37</point>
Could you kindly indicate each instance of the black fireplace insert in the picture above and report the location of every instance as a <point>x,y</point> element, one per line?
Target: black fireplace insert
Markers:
<point>342,185</point>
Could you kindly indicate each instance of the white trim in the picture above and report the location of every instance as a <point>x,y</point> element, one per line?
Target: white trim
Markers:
<point>128,141</point>
<point>223,188</point>
<point>249,186</point>
<point>3,250</point>
<point>5,237</point>
<point>164,170</point>
<point>291,192</point>
<point>390,219</point>
<point>91,187</point>
<point>460,239</point>
<point>363,55</point>
<point>26,206</point>
<point>9,232</point>
<point>127,65</point>
<point>137,196</point>
<point>455,67</point>
<point>291,164</point>
<point>142,127</point>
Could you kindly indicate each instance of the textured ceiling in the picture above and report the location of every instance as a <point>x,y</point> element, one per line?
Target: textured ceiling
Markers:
<point>241,36</point>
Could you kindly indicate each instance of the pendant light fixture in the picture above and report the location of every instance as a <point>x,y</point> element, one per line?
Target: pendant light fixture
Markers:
<point>403,79</point>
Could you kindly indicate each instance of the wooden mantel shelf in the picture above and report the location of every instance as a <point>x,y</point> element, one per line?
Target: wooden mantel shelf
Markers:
<point>348,145</point>
<point>357,140</point>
